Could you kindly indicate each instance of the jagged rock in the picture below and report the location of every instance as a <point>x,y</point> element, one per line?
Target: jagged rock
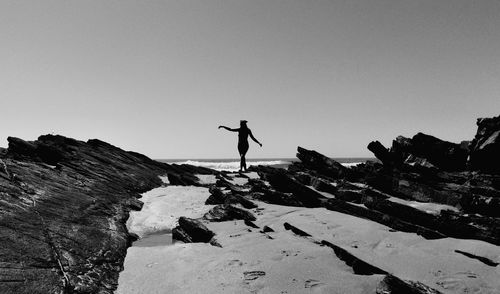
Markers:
<point>485,148</point>
<point>267,229</point>
<point>380,152</point>
<point>443,154</point>
<point>276,197</point>
<point>223,183</point>
<point>423,151</point>
<point>320,163</point>
<point>191,230</point>
<point>182,179</point>
<point>251,224</point>
<point>218,197</point>
<point>436,152</point>
<point>393,285</point>
<point>385,219</point>
<point>316,182</point>
<point>279,180</point>
<point>295,230</point>
<point>482,259</point>
<point>359,266</point>
<point>484,205</point>
<point>420,163</point>
<point>228,212</point>
<point>354,196</point>
<point>448,223</point>
<point>66,203</point>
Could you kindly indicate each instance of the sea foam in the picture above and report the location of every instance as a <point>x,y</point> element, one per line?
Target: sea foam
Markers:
<point>232,165</point>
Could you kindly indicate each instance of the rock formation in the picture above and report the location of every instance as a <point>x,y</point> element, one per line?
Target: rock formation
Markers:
<point>64,204</point>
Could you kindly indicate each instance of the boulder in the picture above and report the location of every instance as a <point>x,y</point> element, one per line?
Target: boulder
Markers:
<point>191,230</point>
<point>227,212</point>
<point>485,148</point>
<point>218,197</point>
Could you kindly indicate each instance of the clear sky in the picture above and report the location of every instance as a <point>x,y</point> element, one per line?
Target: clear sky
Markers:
<point>158,77</point>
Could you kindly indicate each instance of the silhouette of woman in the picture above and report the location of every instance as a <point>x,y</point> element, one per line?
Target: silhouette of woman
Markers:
<point>243,133</point>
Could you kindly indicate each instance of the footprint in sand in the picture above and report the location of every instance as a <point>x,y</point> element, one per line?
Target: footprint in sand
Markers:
<point>253,275</point>
<point>313,284</point>
<point>463,282</point>
<point>289,253</point>
<point>151,264</point>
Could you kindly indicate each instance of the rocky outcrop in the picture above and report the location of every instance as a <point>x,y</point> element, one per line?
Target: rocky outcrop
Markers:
<point>226,212</point>
<point>282,182</point>
<point>485,148</point>
<point>326,166</point>
<point>422,150</point>
<point>219,197</point>
<point>64,204</point>
<point>191,230</point>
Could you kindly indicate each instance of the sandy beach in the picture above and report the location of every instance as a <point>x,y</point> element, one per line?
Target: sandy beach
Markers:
<point>280,261</point>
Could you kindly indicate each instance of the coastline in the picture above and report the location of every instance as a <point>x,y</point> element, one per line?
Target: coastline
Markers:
<point>424,218</point>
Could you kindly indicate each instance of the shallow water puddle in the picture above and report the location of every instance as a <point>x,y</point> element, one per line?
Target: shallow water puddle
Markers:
<point>153,240</point>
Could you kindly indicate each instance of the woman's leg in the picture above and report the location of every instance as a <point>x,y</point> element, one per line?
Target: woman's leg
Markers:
<point>243,148</point>
<point>243,162</point>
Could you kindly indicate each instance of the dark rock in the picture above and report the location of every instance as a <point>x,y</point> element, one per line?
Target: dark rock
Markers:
<point>135,204</point>
<point>447,223</point>
<point>484,205</point>
<point>482,259</point>
<point>64,208</point>
<point>239,199</point>
<point>276,197</point>
<point>385,219</point>
<point>320,163</point>
<point>257,185</point>
<point>182,179</point>
<point>323,185</point>
<point>228,212</point>
<point>279,180</point>
<point>380,152</point>
<point>359,266</point>
<point>485,148</point>
<point>420,163</point>
<point>267,229</point>
<point>218,197</point>
<point>436,152</point>
<point>443,154</point>
<point>422,151</point>
<point>251,224</point>
<point>223,183</point>
<point>295,230</point>
<point>354,196</point>
<point>393,285</point>
<point>191,230</point>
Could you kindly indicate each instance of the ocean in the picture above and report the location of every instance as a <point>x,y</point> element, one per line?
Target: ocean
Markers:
<point>234,164</point>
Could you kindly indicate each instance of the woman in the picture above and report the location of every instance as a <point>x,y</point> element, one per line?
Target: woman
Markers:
<point>243,133</point>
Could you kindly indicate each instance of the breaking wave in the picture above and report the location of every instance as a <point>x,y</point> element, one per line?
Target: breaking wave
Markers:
<point>233,165</point>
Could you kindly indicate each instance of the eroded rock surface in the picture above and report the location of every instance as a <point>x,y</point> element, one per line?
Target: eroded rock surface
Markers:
<point>63,208</point>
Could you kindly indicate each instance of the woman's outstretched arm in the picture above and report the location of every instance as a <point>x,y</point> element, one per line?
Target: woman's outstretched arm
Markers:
<point>253,138</point>
<point>229,129</point>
